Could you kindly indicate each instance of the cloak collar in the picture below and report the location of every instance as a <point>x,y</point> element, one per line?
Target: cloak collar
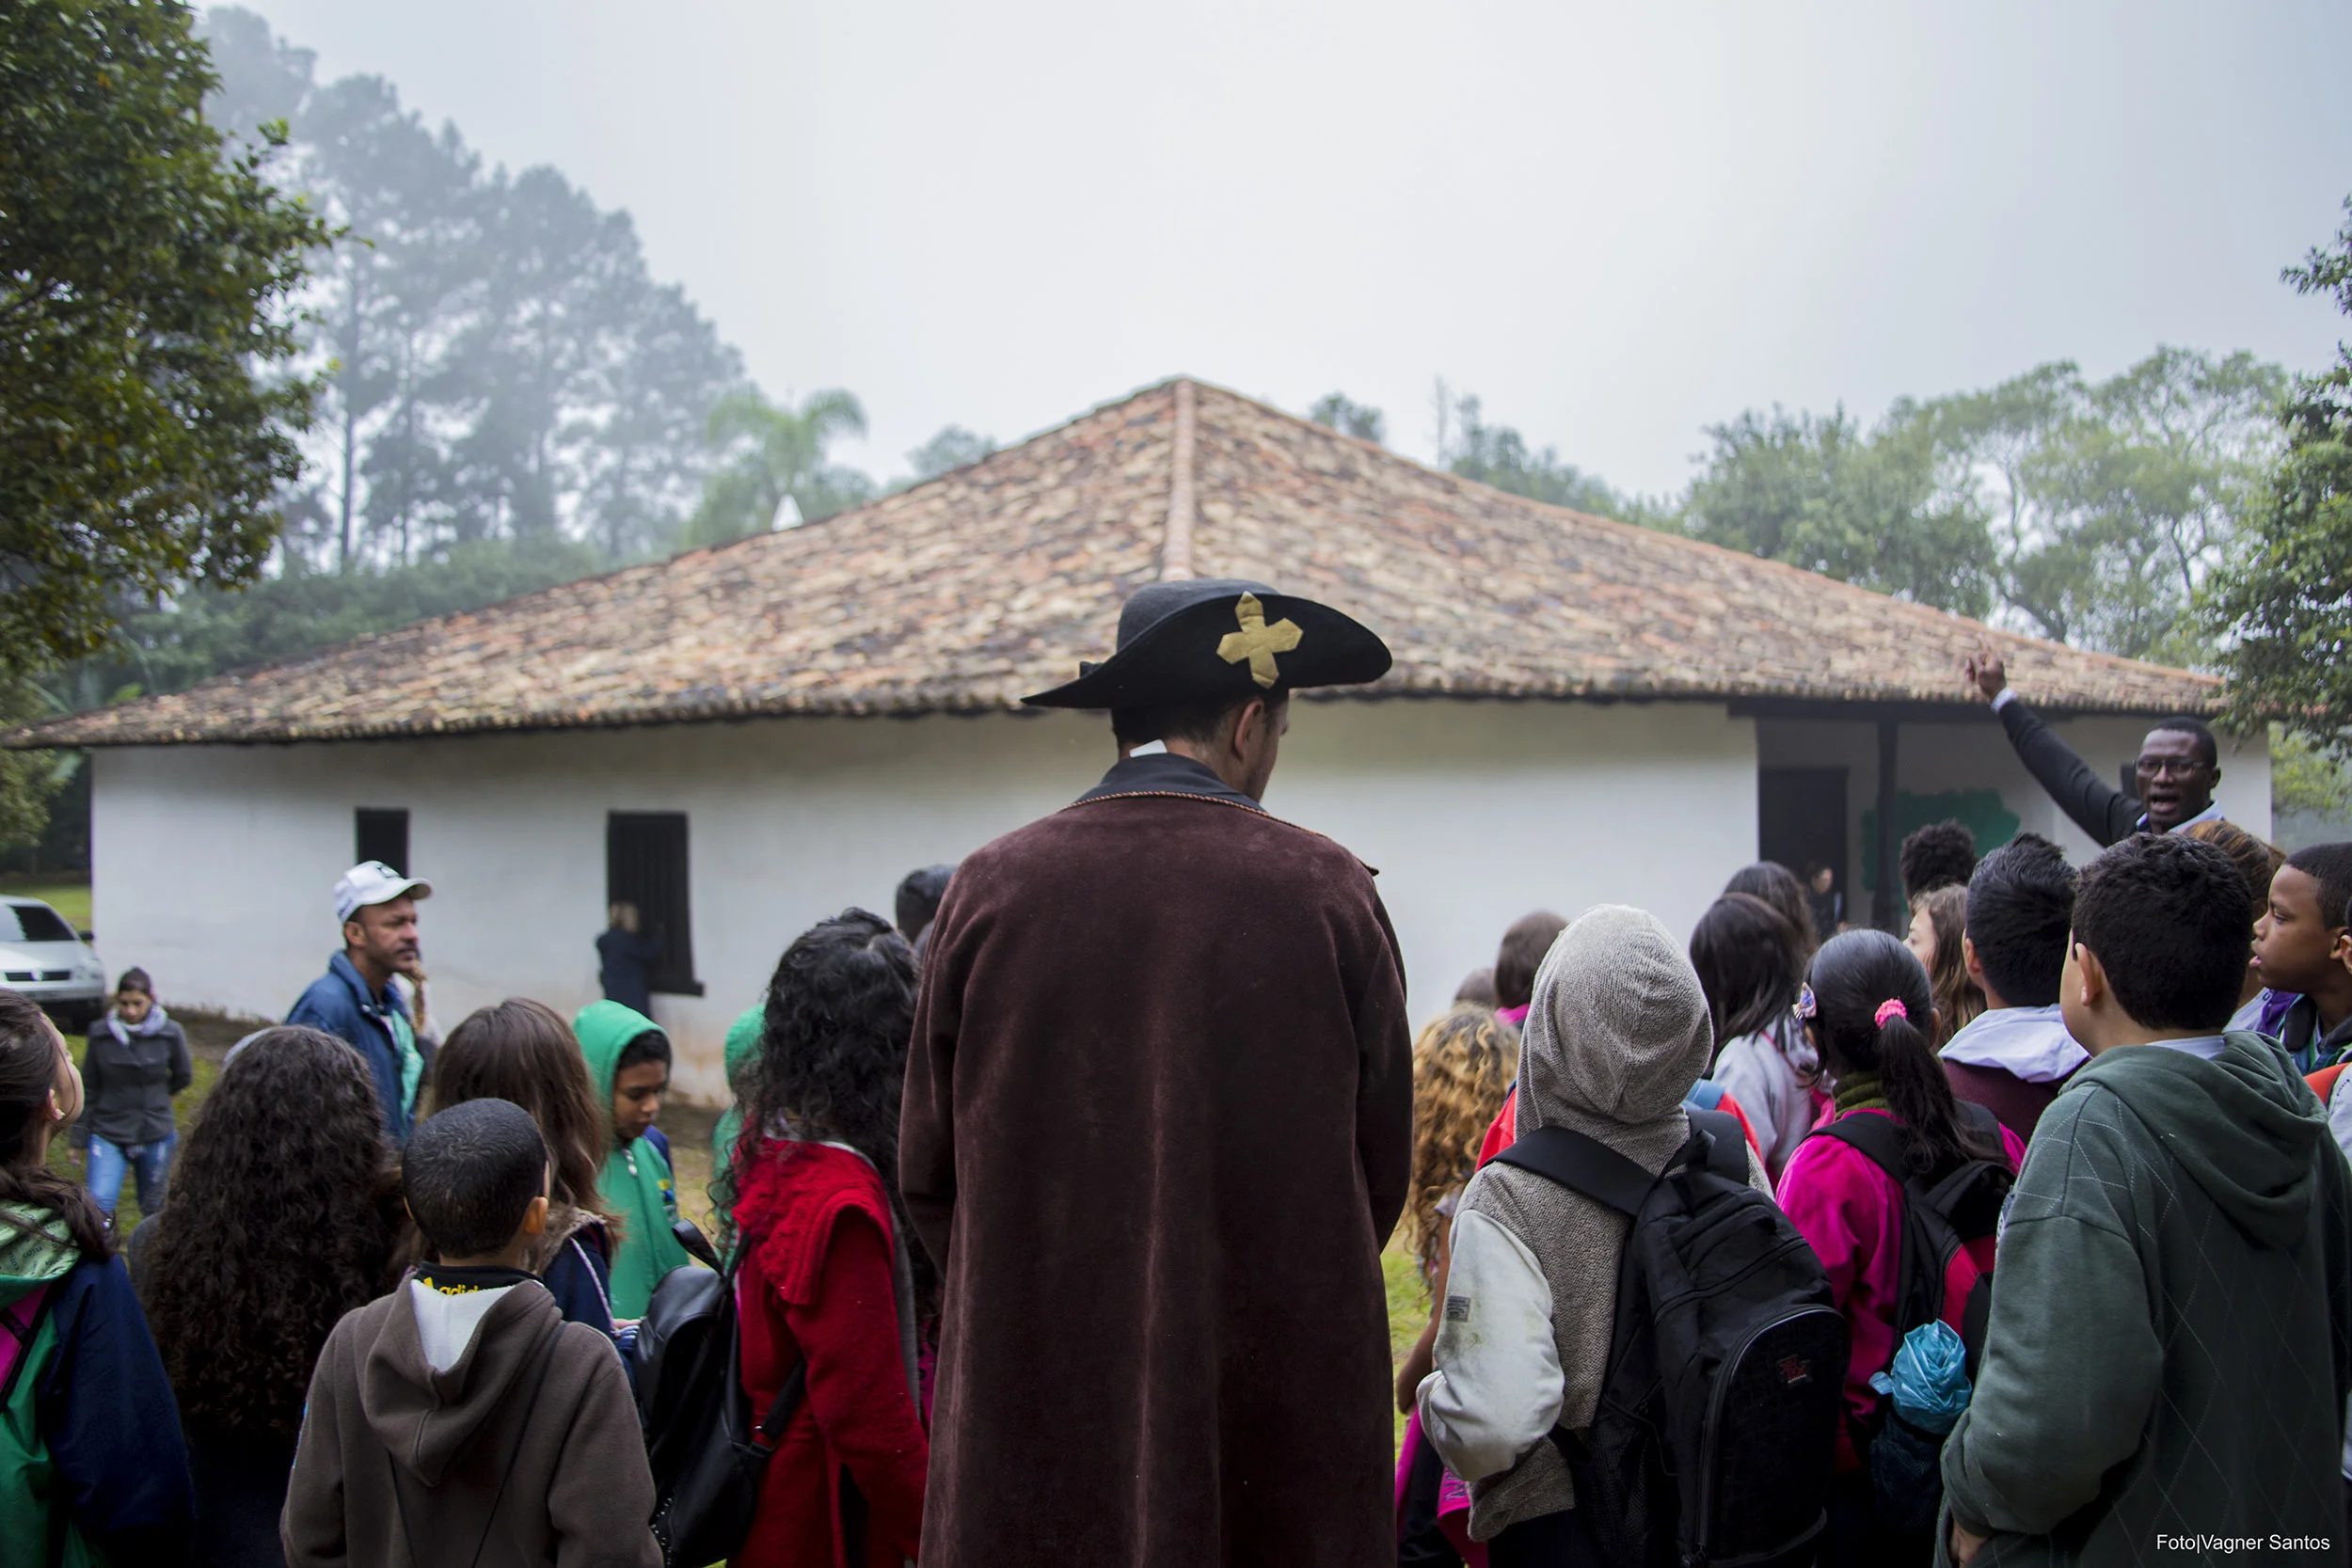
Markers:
<point>1165,773</point>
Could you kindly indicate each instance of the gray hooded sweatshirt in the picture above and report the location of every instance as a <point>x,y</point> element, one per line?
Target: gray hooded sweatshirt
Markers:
<point>1617,1035</point>
<point>2170,1342</point>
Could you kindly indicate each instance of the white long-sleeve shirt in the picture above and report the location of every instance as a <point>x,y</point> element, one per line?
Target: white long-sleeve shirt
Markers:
<point>1498,1387</point>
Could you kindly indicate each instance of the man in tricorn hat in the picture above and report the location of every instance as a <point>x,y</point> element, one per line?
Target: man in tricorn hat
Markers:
<point>1157,1126</point>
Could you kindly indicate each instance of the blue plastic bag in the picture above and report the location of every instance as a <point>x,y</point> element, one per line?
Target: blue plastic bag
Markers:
<point>1928,1378</point>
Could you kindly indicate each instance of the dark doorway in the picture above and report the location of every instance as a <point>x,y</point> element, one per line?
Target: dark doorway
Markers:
<point>1801,821</point>
<point>381,834</point>
<point>645,864</point>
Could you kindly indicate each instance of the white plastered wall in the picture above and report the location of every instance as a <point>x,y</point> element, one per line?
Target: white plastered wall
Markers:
<point>213,863</point>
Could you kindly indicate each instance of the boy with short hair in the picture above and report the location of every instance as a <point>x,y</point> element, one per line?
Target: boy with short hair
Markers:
<point>628,1061</point>
<point>2170,1343</point>
<point>2013,1057</point>
<point>2299,947</point>
<point>460,1419</point>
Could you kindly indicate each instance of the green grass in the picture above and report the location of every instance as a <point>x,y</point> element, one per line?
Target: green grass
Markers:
<point>1408,1307</point>
<point>69,896</point>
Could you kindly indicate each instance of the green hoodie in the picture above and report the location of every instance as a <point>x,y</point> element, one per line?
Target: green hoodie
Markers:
<point>741,1052</point>
<point>636,1183</point>
<point>2170,1343</point>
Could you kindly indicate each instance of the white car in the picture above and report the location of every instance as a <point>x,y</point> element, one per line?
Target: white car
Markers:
<point>49,961</point>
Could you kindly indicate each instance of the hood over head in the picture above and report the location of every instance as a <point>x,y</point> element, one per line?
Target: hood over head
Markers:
<point>742,1048</point>
<point>1616,1033</point>
<point>35,1249</point>
<point>604,1030</point>
<point>427,1418</point>
<point>2243,1126</point>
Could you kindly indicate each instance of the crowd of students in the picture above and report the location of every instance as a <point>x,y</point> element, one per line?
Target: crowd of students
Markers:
<point>2171,1335</point>
<point>336,1344</point>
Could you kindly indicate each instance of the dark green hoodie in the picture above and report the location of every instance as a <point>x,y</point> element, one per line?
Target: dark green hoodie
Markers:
<point>2170,1342</point>
<point>636,1185</point>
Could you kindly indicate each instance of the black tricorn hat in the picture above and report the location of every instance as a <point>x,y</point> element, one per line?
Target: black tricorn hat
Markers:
<point>1209,638</point>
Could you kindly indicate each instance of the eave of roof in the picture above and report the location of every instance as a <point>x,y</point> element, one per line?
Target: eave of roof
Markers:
<point>966,593</point>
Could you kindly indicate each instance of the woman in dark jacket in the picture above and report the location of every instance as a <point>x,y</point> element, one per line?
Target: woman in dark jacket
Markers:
<point>137,1060</point>
<point>286,1218</point>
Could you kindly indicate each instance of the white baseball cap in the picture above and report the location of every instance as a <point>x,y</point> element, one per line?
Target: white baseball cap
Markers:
<point>373,882</point>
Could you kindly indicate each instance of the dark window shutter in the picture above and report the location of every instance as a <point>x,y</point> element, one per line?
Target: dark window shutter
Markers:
<point>645,864</point>
<point>381,834</point>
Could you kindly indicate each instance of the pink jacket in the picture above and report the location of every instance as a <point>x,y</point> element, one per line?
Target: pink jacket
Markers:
<point>1850,1212</point>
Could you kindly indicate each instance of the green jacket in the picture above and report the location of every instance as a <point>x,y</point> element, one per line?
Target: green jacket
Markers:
<point>2170,1343</point>
<point>636,1182</point>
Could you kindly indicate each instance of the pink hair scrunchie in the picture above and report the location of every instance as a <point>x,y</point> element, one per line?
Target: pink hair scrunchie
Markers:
<point>1892,1008</point>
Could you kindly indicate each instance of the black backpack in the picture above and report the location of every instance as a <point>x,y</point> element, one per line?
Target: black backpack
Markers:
<point>1718,1417</point>
<point>1950,1217</point>
<point>708,1457</point>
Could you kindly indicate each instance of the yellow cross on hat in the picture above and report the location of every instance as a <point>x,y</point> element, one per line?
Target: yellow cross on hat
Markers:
<point>1257,641</point>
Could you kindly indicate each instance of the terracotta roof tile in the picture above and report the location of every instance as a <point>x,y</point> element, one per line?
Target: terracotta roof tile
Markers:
<point>966,593</point>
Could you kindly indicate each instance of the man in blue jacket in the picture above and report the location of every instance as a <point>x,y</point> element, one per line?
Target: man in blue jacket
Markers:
<point>354,1000</point>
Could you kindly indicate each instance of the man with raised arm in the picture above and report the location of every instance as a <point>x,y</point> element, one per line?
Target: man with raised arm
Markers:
<point>1157,1126</point>
<point>2179,765</point>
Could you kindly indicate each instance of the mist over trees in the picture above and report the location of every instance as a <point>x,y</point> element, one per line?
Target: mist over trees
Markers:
<point>496,360</point>
<point>2090,513</point>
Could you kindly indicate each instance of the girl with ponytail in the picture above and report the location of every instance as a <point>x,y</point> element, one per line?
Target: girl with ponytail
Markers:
<point>1871,1013</point>
<point>90,1452</point>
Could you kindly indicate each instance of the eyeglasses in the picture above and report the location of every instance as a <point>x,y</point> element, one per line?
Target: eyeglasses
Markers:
<point>1807,1005</point>
<point>2168,767</point>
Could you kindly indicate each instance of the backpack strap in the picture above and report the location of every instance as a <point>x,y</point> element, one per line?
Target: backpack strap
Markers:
<point>1877,1138</point>
<point>1727,1143</point>
<point>1588,1166</point>
<point>788,1399</point>
<point>19,1324</point>
<point>1582,1165</point>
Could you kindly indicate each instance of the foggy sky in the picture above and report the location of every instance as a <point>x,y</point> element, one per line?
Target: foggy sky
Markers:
<point>1615,224</point>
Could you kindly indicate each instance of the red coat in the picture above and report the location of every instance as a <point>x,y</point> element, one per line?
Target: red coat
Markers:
<point>817,1282</point>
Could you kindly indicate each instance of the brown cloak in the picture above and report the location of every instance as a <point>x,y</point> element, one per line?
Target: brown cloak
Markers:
<point>1157,1126</point>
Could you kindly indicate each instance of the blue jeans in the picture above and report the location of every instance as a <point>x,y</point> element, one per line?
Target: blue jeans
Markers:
<point>151,1161</point>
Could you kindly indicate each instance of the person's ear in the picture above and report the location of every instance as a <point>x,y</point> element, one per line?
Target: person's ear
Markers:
<point>535,1217</point>
<point>1249,727</point>
<point>2091,978</point>
<point>1968,960</point>
<point>355,932</point>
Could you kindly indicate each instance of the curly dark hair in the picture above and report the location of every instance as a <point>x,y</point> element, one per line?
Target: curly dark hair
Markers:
<point>1941,854</point>
<point>282,1220</point>
<point>32,1053</point>
<point>833,1056</point>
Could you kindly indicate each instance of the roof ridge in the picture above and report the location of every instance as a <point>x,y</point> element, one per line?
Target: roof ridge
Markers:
<point>1176,546</point>
<point>1684,542</point>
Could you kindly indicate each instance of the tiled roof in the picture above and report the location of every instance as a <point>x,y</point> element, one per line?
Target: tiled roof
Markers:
<point>964,594</point>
